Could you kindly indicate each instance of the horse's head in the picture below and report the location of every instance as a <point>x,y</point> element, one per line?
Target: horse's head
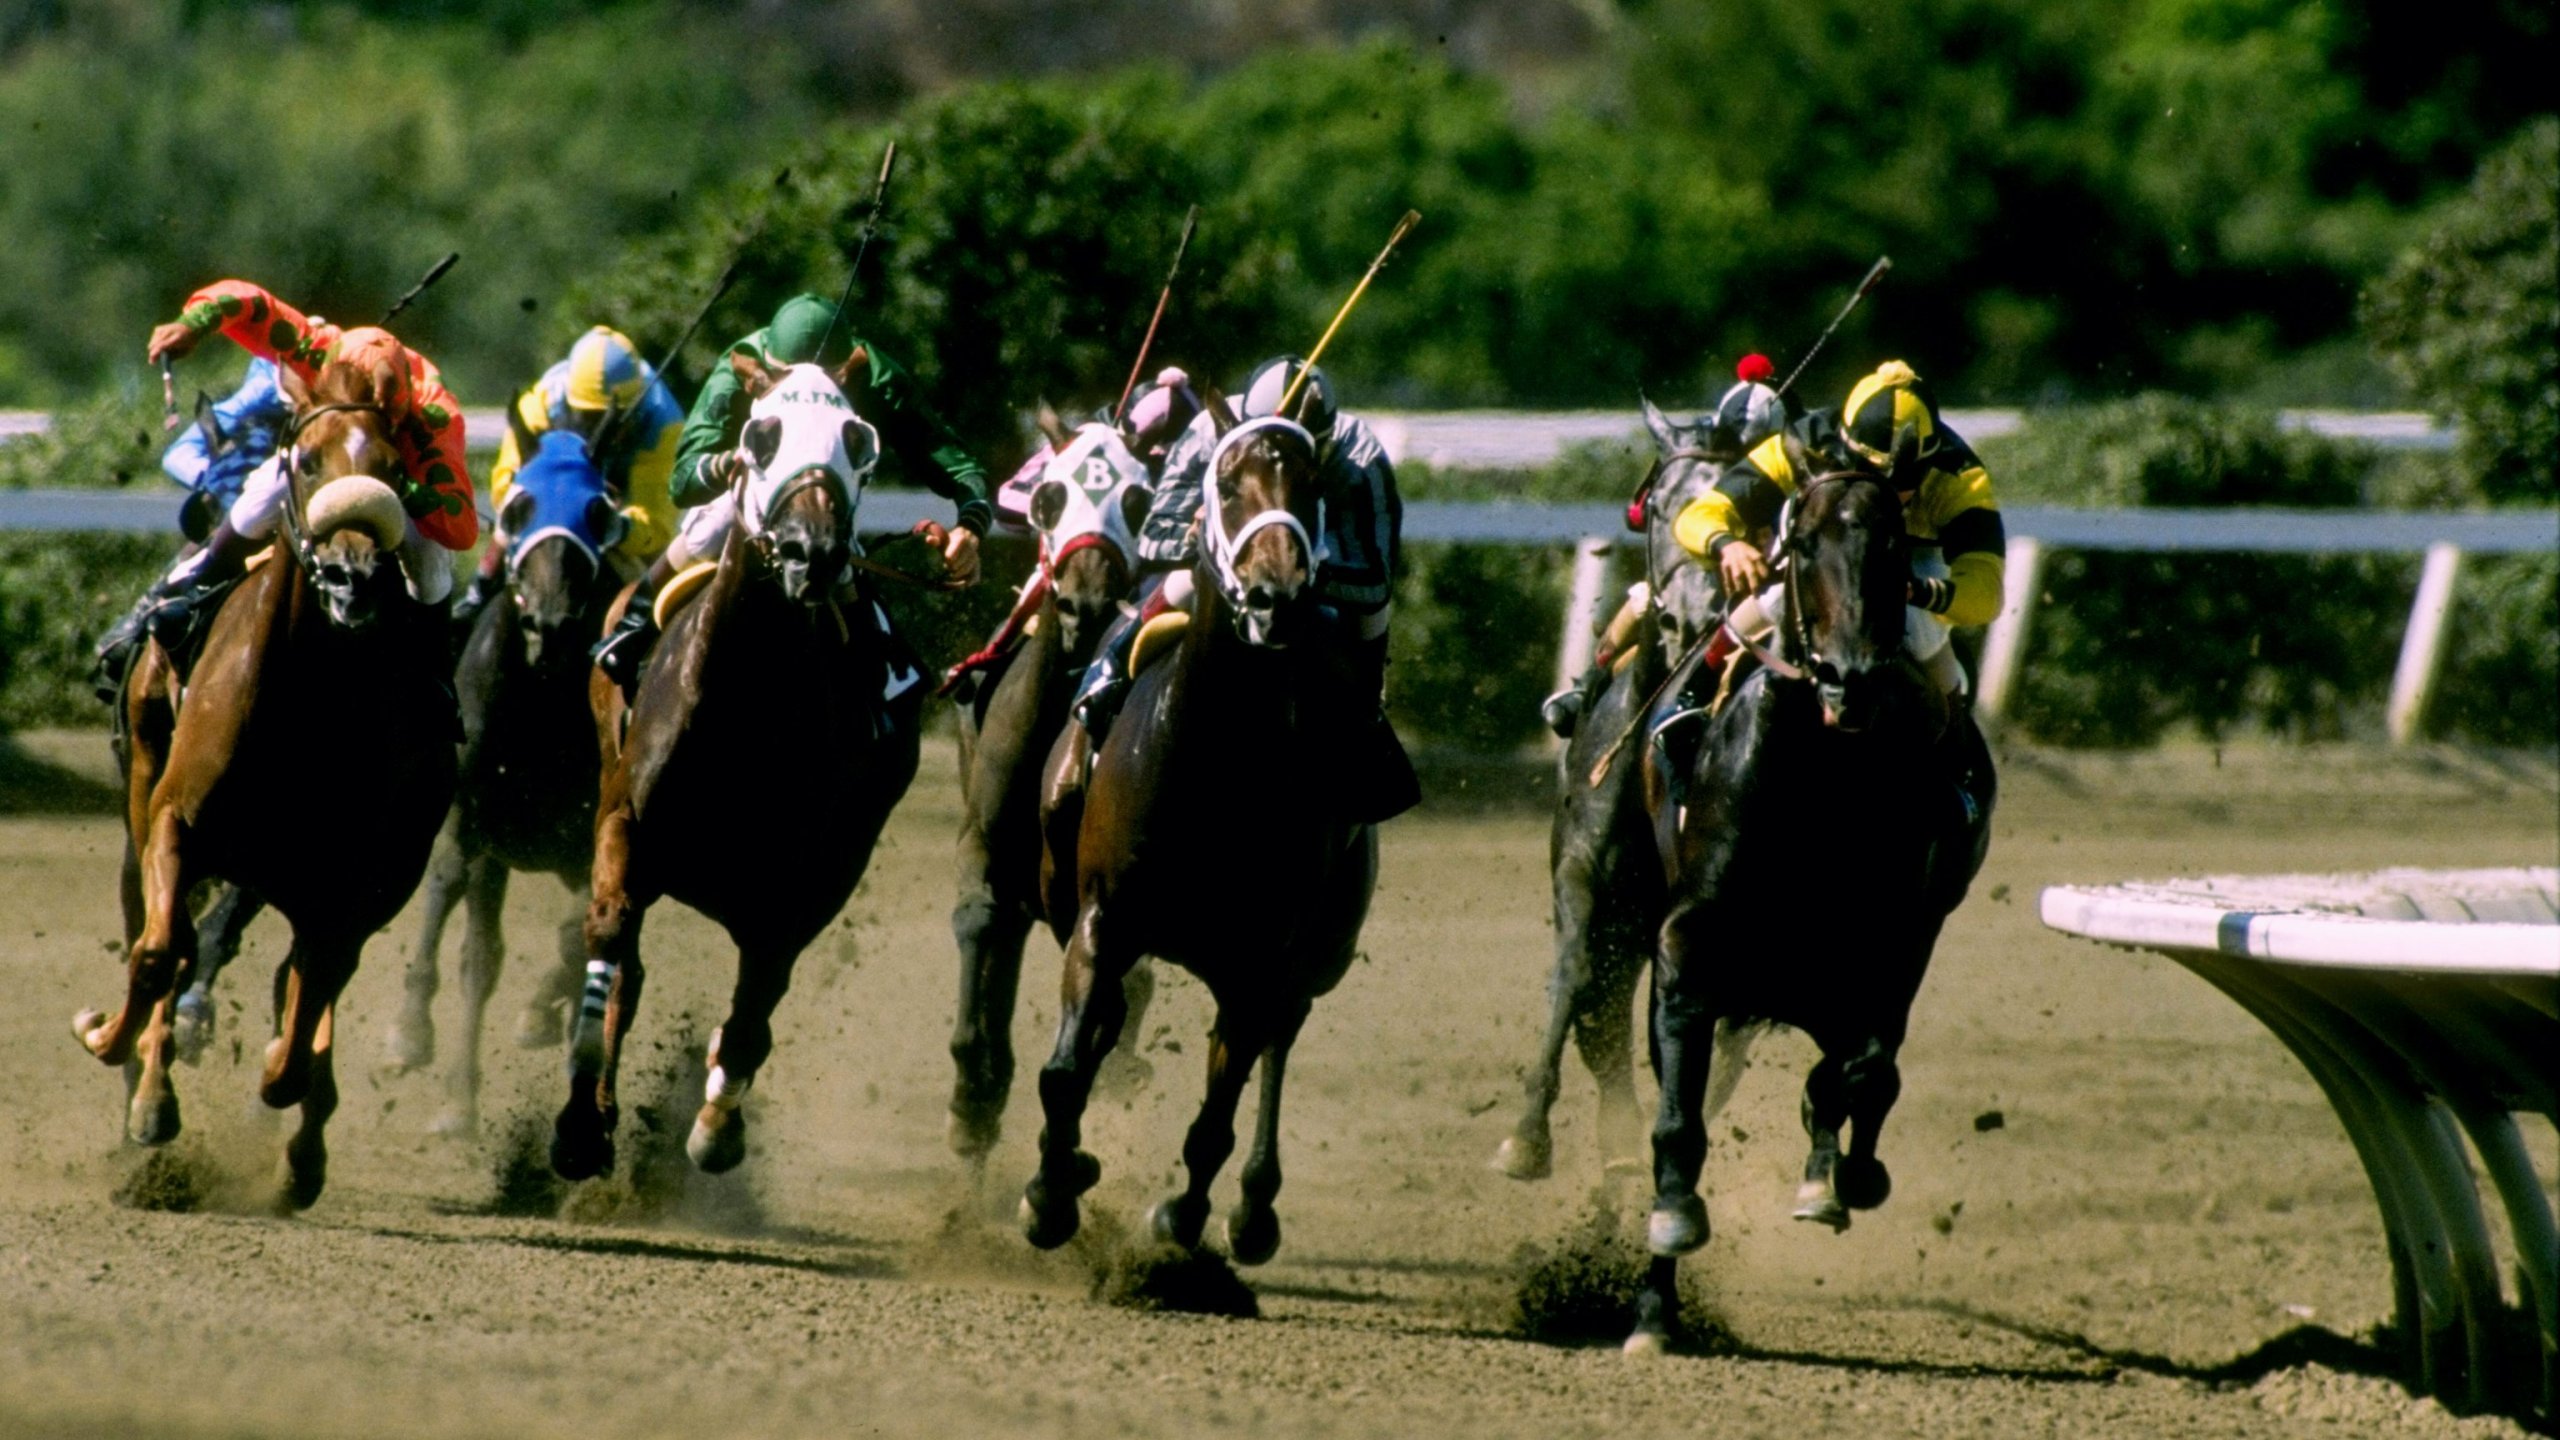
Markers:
<point>1087,508</point>
<point>809,457</point>
<point>1848,565</point>
<point>1688,460</point>
<point>350,520</point>
<point>1259,520</point>
<point>558,521</point>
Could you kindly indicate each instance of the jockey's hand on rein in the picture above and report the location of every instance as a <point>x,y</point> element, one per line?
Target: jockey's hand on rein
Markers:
<point>1743,569</point>
<point>722,470</point>
<point>959,549</point>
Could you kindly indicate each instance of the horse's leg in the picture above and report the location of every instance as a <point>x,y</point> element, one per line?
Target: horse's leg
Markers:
<point>1233,1047</point>
<point>315,973</point>
<point>1604,1035</point>
<point>991,936</point>
<point>582,1136</point>
<point>538,1024</point>
<point>1124,1071</point>
<point>1683,1039</point>
<point>411,1045</point>
<point>1872,1081</point>
<point>1091,1009</point>
<point>484,956</point>
<point>306,1153</point>
<point>1825,1109</point>
<point>1253,1227</point>
<point>1528,1153</point>
<point>163,949</point>
<point>218,935</point>
<point>739,1049</point>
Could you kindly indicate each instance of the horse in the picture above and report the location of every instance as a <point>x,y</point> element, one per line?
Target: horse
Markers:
<point>1818,853</point>
<point>1086,510</point>
<point>1199,844</point>
<point>1607,875</point>
<point>769,738</point>
<point>526,799</point>
<point>306,759</point>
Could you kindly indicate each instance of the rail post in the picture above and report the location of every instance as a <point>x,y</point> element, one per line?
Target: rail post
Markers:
<point>2413,685</point>
<point>2004,648</point>
<point>1582,615</point>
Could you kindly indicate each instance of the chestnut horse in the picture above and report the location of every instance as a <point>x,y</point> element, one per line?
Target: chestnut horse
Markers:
<point>307,759</point>
<point>527,794</point>
<point>1821,850</point>
<point>766,745</point>
<point>1086,510</point>
<point>1205,841</point>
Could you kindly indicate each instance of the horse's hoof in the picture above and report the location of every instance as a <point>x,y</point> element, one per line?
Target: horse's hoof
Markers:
<point>192,1027</point>
<point>306,1174</point>
<point>971,1133</point>
<point>1862,1182</point>
<point>153,1122</point>
<point>1179,1219</point>
<point>1253,1234</point>
<point>718,1141</point>
<point>1677,1226</point>
<point>1818,1204</point>
<point>1646,1345</point>
<point>581,1145</point>
<point>89,1028</point>
<point>454,1123</point>
<point>411,1045</point>
<point>538,1027</point>
<point>1050,1217</point>
<point>1524,1159</point>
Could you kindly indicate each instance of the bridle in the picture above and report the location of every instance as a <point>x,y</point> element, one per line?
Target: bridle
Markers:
<point>1803,658</point>
<point>761,542</point>
<point>1221,549</point>
<point>297,527</point>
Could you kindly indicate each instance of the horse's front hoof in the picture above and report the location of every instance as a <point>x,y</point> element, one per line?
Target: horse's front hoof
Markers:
<point>1678,1226</point>
<point>1818,1204</point>
<point>1050,1217</point>
<point>411,1045</point>
<point>306,1174</point>
<point>1651,1337</point>
<point>718,1141</point>
<point>581,1143</point>
<point>538,1027</point>
<point>972,1131</point>
<point>1523,1158</point>
<point>191,1028</point>
<point>153,1120</point>
<point>1253,1234</point>
<point>1179,1219</point>
<point>1861,1181</point>
<point>96,1035</point>
<point>1645,1345</point>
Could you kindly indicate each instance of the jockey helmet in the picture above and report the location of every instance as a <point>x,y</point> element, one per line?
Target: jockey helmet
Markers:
<point>1750,412</point>
<point>1882,407</point>
<point>1159,413</point>
<point>1271,379</point>
<point>605,371</point>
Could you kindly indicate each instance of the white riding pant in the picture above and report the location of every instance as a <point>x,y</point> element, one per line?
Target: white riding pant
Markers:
<point>702,530</point>
<point>260,508</point>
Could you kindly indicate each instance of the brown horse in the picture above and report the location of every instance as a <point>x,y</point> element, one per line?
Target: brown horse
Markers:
<point>1086,513</point>
<point>1198,843</point>
<point>763,754</point>
<point>308,758</point>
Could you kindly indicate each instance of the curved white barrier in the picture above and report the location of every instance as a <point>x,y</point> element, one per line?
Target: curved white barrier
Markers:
<point>2426,1004</point>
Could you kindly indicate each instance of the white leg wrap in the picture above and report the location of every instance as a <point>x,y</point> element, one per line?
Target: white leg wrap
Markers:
<point>723,1093</point>
<point>586,1035</point>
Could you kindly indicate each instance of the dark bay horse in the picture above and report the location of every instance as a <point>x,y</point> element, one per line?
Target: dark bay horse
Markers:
<point>526,800</point>
<point>307,759</point>
<point>763,754</point>
<point>1602,855</point>
<point>1821,850</point>
<point>1086,510</point>
<point>1205,841</point>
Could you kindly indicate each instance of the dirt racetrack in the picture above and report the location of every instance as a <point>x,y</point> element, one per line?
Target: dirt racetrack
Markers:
<point>2167,1235</point>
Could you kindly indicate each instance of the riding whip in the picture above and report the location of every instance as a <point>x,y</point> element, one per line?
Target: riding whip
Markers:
<point>684,337</point>
<point>1403,228</point>
<point>1140,364</point>
<point>870,227</point>
<point>168,393</point>
<point>434,273</point>
<point>1874,274</point>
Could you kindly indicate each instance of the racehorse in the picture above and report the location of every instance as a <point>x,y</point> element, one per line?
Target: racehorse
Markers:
<point>1604,860</point>
<point>1206,840</point>
<point>308,759</point>
<point>527,795</point>
<point>1820,849</point>
<point>770,736</point>
<point>1086,510</point>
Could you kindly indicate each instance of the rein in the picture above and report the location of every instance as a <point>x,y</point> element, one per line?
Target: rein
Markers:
<point>854,559</point>
<point>289,459</point>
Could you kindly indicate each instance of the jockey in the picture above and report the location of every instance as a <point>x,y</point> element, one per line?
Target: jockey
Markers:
<point>1959,549</point>
<point>603,392</point>
<point>707,462</point>
<point>230,438</point>
<point>1154,420</point>
<point>1745,415</point>
<point>426,433</point>
<point>1357,557</point>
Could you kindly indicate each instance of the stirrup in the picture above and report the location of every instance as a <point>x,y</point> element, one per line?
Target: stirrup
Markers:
<point>624,649</point>
<point>1563,711</point>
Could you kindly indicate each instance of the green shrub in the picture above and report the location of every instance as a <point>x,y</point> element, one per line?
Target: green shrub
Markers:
<point>1474,647</point>
<point>58,594</point>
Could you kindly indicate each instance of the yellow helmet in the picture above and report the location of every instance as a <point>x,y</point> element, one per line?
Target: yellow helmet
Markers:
<point>1881,407</point>
<point>605,371</point>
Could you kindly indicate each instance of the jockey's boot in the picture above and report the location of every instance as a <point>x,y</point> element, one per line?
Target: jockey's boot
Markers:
<point>166,609</point>
<point>1563,711</point>
<point>625,647</point>
<point>1106,679</point>
<point>1381,781</point>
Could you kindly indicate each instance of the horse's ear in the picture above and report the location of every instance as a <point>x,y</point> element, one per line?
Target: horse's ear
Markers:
<point>857,361</point>
<point>1051,427</point>
<point>296,389</point>
<point>517,512</point>
<point>1799,459</point>
<point>753,376</point>
<point>211,420</point>
<point>1221,414</point>
<point>1665,435</point>
<point>1135,502</point>
<point>1048,504</point>
<point>762,439</point>
<point>861,451</point>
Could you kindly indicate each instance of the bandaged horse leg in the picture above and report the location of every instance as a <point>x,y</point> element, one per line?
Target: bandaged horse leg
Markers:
<point>582,1134</point>
<point>1091,1011</point>
<point>739,1048</point>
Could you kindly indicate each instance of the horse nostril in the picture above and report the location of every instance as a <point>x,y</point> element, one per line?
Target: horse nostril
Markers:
<point>1826,674</point>
<point>1261,597</point>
